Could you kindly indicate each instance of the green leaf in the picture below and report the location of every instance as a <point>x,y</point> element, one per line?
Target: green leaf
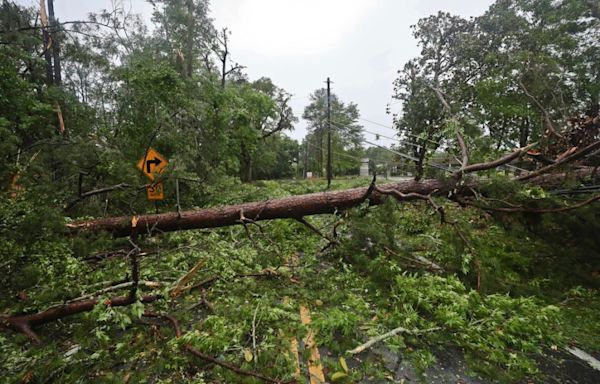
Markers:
<point>338,375</point>
<point>343,364</point>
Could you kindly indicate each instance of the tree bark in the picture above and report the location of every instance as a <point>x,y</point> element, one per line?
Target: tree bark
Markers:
<point>245,164</point>
<point>55,44</point>
<point>290,207</point>
<point>296,207</point>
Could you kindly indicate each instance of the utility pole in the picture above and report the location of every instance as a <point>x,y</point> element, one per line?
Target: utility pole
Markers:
<point>306,156</point>
<point>328,133</point>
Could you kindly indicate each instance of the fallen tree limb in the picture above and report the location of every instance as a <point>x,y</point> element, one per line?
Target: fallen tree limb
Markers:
<point>515,209</point>
<point>387,335</point>
<point>25,323</point>
<point>498,162</point>
<point>98,191</point>
<point>565,160</point>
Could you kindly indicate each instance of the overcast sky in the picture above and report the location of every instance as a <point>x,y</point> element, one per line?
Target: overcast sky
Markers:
<point>359,44</point>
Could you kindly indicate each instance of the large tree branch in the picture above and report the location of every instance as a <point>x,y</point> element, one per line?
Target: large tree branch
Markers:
<point>567,159</point>
<point>498,162</point>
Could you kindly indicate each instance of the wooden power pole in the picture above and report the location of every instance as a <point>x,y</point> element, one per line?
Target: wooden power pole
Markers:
<point>328,133</point>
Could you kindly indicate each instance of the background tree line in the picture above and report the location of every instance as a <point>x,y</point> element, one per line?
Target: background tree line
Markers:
<point>523,68</point>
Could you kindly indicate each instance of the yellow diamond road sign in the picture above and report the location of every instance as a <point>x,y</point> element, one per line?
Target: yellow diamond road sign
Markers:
<point>152,163</point>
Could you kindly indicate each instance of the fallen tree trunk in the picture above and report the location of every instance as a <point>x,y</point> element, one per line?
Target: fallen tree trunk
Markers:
<point>296,207</point>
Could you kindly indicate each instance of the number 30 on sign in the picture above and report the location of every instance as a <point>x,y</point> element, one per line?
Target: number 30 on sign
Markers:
<point>155,191</point>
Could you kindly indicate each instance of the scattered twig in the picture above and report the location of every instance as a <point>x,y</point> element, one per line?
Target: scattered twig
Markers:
<point>112,288</point>
<point>207,304</point>
<point>389,334</point>
<point>134,262</point>
<point>183,281</point>
<point>254,333</point>
<point>96,257</point>
<point>203,283</point>
<point>418,263</point>
<point>211,359</point>
<point>308,225</point>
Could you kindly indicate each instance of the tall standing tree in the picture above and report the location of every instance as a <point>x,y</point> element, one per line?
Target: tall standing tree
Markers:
<point>346,132</point>
<point>185,30</point>
<point>421,121</point>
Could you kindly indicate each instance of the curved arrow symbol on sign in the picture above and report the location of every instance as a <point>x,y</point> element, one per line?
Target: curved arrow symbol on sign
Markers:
<point>156,162</point>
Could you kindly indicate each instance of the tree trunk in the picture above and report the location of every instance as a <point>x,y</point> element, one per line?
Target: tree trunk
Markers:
<point>524,132</point>
<point>48,57</point>
<point>289,207</point>
<point>245,164</point>
<point>296,207</point>
<point>189,60</point>
<point>420,155</point>
<point>55,44</point>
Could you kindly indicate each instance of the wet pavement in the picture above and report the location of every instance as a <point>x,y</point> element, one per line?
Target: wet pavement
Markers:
<point>556,367</point>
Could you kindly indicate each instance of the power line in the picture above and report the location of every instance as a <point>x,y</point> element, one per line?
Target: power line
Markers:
<point>377,134</point>
<point>404,155</point>
<point>447,169</point>
<point>338,124</point>
<point>336,152</point>
<point>393,129</point>
<point>391,138</point>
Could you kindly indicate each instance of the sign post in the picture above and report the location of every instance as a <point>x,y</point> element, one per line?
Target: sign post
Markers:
<point>150,164</point>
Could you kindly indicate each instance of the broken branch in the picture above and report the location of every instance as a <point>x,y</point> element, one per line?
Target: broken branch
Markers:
<point>387,335</point>
<point>567,159</point>
<point>25,323</point>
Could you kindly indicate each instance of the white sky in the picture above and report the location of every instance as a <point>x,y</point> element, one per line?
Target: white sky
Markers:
<point>359,44</point>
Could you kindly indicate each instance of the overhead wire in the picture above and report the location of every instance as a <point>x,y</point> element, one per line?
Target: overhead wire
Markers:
<point>416,145</point>
<point>404,155</point>
<point>394,129</point>
<point>337,153</point>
